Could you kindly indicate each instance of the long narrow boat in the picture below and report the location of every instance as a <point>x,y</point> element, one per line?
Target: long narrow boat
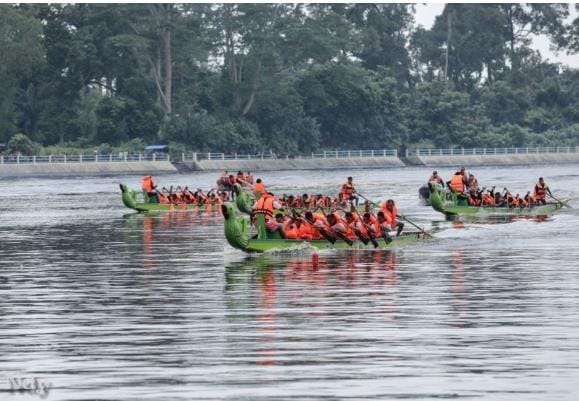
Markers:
<point>130,200</point>
<point>237,232</point>
<point>450,205</point>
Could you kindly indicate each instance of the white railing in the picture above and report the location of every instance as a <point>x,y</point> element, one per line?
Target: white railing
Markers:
<point>491,151</point>
<point>83,158</point>
<point>327,154</point>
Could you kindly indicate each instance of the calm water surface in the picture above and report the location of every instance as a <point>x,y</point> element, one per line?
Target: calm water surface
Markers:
<point>100,303</point>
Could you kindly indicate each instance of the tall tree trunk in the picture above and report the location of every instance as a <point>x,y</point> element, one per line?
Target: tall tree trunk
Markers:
<point>448,37</point>
<point>168,70</point>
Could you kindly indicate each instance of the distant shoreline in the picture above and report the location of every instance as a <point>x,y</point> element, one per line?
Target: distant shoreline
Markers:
<point>164,167</point>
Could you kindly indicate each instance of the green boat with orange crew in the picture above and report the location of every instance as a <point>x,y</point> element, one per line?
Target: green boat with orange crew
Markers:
<point>141,202</point>
<point>237,233</point>
<point>450,204</point>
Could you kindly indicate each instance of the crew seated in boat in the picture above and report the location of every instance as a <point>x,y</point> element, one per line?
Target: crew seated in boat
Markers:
<point>384,226</point>
<point>475,198</point>
<point>339,227</point>
<point>317,222</point>
<point>276,225</point>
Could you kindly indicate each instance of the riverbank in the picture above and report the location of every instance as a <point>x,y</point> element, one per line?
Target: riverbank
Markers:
<point>87,169</point>
<point>328,160</point>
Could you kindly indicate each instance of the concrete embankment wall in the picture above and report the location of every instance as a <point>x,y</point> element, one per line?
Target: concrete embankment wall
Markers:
<point>294,164</point>
<point>98,168</point>
<point>499,160</point>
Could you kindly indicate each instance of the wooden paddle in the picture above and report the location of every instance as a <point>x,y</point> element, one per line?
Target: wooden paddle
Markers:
<point>559,201</point>
<point>415,225</point>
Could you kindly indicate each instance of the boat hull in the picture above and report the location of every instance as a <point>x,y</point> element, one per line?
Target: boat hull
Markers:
<point>264,245</point>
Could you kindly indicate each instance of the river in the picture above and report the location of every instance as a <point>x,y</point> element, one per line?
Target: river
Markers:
<point>101,303</point>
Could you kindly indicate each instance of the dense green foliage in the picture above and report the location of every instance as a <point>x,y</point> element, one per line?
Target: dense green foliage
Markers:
<point>283,77</point>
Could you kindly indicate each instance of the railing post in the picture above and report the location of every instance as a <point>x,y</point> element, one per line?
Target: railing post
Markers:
<point>1,159</point>
<point>372,153</point>
<point>125,156</point>
<point>49,158</point>
<point>111,156</point>
<point>462,151</point>
<point>429,152</point>
<point>222,156</point>
<point>154,156</point>
<point>17,159</point>
<point>34,159</point>
<point>484,151</point>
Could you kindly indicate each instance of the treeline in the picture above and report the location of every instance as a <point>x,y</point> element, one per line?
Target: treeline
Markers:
<point>290,78</point>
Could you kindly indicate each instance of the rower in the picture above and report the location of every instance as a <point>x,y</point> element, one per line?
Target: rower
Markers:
<point>541,189</point>
<point>384,227</point>
<point>276,225</point>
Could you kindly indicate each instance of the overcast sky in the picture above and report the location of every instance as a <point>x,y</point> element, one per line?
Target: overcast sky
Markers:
<point>425,14</point>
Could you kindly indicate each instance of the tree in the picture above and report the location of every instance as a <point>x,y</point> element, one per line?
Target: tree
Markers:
<point>22,52</point>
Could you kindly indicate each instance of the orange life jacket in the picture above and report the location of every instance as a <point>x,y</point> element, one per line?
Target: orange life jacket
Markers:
<point>290,229</point>
<point>347,190</point>
<point>390,215</point>
<point>265,205</point>
<point>488,200</point>
<point>456,183</point>
<point>540,191</point>
<point>148,184</point>
<point>474,201</point>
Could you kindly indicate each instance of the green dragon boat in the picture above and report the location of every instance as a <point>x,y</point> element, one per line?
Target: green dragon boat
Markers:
<point>237,233</point>
<point>131,200</point>
<point>451,205</point>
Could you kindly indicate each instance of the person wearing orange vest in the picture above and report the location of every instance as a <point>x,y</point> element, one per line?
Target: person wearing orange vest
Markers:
<point>348,191</point>
<point>540,191</point>
<point>472,183</point>
<point>488,200</point>
<point>340,228</point>
<point>436,178</point>
<point>266,205</point>
<point>259,187</point>
<point>148,184</point>
<point>276,224</point>
<point>457,183</point>
<point>290,229</point>
<point>390,215</point>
